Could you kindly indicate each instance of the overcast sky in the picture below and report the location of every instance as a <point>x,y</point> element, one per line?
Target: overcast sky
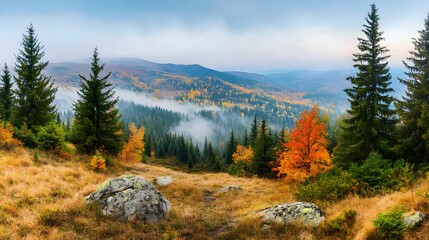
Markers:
<point>248,35</point>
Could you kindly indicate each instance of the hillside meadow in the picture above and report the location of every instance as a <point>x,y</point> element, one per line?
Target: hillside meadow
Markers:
<point>42,197</point>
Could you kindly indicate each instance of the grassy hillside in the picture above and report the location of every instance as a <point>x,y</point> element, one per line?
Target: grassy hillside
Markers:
<point>42,198</point>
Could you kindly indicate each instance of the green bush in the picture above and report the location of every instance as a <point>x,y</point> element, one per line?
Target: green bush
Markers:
<point>239,169</point>
<point>335,184</point>
<point>27,137</point>
<point>341,226</point>
<point>51,137</point>
<point>378,176</point>
<point>390,225</point>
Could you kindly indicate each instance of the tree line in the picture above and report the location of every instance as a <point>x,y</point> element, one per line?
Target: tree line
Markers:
<point>30,107</point>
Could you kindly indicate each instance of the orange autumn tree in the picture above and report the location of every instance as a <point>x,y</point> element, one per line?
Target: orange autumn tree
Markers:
<point>305,154</point>
<point>134,148</point>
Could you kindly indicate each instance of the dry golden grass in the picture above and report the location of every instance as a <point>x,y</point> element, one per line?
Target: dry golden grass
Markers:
<point>43,199</point>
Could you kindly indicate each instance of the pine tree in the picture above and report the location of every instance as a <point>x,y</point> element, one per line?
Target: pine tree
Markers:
<point>232,144</point>
<point>6,95</point>
<point>35,92</point>
<point>371,122</point>
<point>264,154</point>
<point>254,131</point>
<point>246,138</point>
<point>206,150</point>
<point>192,156</point>
<point>97,120</point>
<point>183,151</point>
<point>160,152</point>
<point>148,145</point>
<point>413,110</point>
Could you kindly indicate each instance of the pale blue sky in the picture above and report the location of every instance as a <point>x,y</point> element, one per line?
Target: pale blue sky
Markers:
<point>245,35</point>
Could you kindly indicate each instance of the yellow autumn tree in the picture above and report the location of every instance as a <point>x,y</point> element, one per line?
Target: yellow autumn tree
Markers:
<point>98,162</point>
<point>305,155</point>
<point>243,154</point>
<point>134,148</point>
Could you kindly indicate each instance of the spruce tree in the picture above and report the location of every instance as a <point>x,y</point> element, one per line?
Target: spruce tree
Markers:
<point>264,154</point>
<point>6,95</point>
<point>371,122</point>
<point>230,149</point>
<point>254,131</point>
<point>35,92</point>
<point>97,120</point>
<point>413,109</point>
<point>148,145</point>
<point>246,138</point>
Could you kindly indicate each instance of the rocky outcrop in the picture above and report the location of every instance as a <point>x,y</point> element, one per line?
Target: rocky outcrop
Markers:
<point>130,197</point>
<point>299,212</point>
<point>414,220</point>
<point>231,188</point>
<point>163,181</point>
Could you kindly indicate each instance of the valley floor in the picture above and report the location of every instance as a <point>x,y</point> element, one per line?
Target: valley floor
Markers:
<point>42,197</point>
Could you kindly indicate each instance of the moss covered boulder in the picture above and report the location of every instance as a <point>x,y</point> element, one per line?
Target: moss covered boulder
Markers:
<point>130,197</point>
<point>298,212</point>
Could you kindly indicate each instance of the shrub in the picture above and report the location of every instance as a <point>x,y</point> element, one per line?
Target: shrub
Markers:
<point>7,141</point>
<point>377,175</point>
<point>335,184</point>
<point>390,225</point>
<point>26,136</point>
<point>51,137</point>
<point>239,169</point>
<point>341,226</point>
<point>97,162</point>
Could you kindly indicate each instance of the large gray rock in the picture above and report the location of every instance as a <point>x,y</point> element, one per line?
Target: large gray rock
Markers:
<point>306,213</point>
<point>130,197</point>
<point>414,220</point>
<point>163,181</point>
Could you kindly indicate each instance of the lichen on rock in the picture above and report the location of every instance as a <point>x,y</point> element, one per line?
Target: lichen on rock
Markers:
<point>306,213</point>
<point>414,219</point>
<point>130,197</point>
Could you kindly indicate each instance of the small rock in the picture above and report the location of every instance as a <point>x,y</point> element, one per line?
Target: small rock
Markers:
<point>163,181</point>
<point>307,213</point>
<point>130,197</point>
<point>231,188</point>
<point>414,220</point>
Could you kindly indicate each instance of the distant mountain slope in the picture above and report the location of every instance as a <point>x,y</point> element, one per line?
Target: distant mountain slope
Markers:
<point>326,82</point>
<point>241,93</point>
<point>148,72</point>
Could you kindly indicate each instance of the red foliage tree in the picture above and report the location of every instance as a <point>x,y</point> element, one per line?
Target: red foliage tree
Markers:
<point>305,154</point>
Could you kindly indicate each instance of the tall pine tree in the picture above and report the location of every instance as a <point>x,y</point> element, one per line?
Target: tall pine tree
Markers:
<point>413,110</point>
<point>230,149</point>
<point>254,131</point>
<point>97,120</point>
<point>148,145</point>
<point>264,153</point>
<point>35,92</point>
<point>246,138</point>
<point>6,95</point>
<point>371,122</point>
